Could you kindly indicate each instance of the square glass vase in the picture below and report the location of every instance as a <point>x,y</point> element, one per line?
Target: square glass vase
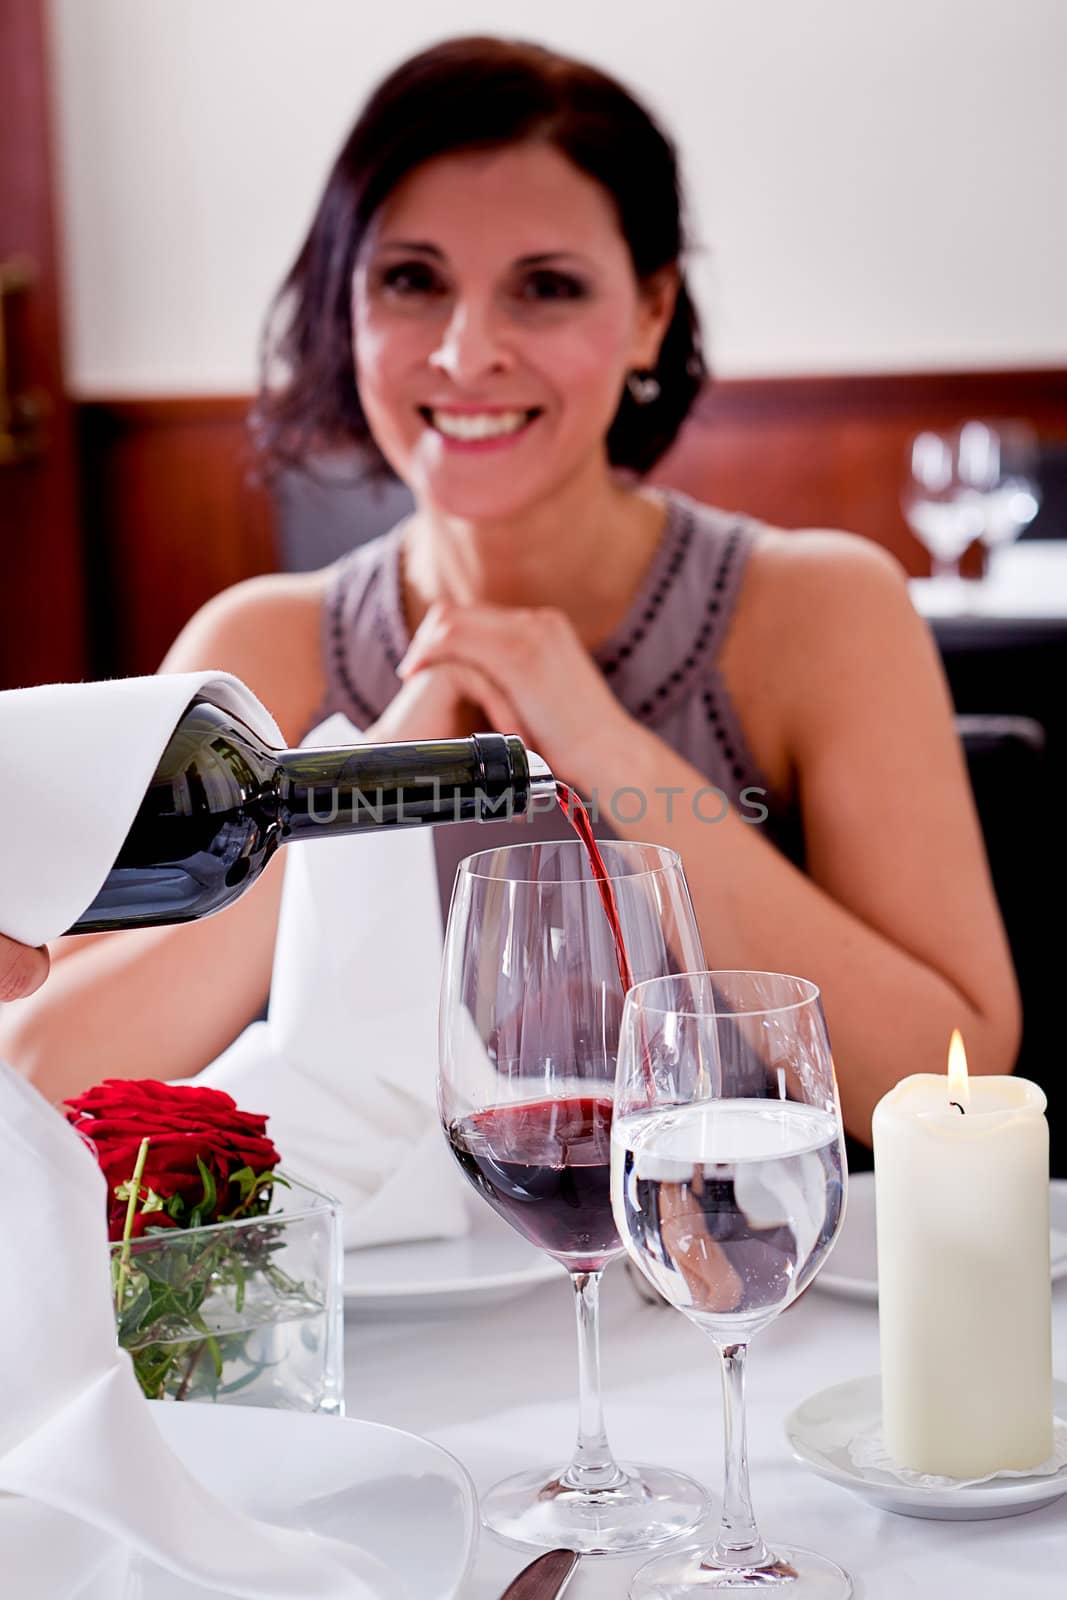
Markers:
<point>249,1312</point>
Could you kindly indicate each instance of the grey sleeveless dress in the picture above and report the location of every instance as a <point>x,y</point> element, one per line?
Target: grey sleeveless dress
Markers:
<point>661,662</point>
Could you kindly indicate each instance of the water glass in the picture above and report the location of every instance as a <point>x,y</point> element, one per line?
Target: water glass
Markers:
<point>728,1186</point>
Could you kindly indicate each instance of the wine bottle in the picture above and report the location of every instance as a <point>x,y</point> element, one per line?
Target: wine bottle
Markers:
<point>221,802</point>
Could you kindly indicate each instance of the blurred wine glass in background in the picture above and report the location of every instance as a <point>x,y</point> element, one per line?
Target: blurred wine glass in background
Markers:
<point>975,482</point>
<point>1000,461</point>
<point>941,508</point>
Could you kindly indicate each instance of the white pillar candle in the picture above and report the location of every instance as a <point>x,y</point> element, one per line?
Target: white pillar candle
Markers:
<point>964,1298</point>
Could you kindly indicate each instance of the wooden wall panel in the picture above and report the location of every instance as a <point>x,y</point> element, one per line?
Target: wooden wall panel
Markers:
<point>832,452</point>
<point>43,623</point>
<point>174,515</point>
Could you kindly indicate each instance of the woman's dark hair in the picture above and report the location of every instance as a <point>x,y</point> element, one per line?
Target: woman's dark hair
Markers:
<point>471,94</point>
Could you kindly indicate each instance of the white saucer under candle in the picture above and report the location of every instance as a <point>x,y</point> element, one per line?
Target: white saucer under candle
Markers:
<point>964,1301</point>
<point>829,1431</point>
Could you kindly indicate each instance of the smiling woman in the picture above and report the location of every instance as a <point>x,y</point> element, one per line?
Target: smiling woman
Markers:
<point>517,353</point>
<point>491,303</point>
<point>478,98</point>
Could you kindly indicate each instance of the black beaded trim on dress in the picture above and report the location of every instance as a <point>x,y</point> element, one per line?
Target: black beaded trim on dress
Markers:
<point>711,704</point>
<point>340,657</point>
<point>381,628</point>
<point>714,716</point>
<point>655,600</point>
<point>701,643</point>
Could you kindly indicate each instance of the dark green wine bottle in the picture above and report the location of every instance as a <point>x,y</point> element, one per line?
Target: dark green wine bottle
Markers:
<point>221,802</point>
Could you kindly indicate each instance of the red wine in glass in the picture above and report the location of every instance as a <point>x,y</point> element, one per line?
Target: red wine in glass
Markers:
<point>546,1168</point>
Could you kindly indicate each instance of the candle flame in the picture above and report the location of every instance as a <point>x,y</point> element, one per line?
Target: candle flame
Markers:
<point>958,1082</point>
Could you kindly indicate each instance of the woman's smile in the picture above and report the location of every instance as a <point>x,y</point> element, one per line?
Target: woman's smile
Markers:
<point>484,428</point>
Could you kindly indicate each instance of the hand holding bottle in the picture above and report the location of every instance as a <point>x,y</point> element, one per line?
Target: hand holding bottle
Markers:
<point>23,969</point>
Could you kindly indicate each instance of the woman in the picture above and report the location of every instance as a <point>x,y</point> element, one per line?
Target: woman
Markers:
<point>492,300</point>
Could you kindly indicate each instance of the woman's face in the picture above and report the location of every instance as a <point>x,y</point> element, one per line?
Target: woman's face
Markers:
<point>496,316</point>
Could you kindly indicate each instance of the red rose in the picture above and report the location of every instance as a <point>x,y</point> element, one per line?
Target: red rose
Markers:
<point>182,1123</point>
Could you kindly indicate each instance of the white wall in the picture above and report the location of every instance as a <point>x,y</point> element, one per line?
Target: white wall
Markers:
<point>878,183</point>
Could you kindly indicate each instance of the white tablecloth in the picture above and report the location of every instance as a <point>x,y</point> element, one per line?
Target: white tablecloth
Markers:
<point>1027,580</point>
<point>497,1387</point>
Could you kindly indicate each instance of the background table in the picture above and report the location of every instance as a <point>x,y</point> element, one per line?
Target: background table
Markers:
<point>497,1387</point>
<point>1005,655</point>
<point>1023,581</point>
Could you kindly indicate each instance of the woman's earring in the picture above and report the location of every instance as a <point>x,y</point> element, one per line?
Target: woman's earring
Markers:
<point>643,387</point>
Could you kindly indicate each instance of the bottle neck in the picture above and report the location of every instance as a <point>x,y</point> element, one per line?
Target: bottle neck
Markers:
<point>323,792</point>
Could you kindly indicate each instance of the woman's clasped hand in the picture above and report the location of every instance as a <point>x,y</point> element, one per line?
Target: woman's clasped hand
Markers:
<point>535,671</point>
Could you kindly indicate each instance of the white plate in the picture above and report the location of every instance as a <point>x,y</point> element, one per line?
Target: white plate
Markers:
<point>852,1270</point>
<point>491,1262</point>
<point>357,1481</point>
<point>819,1432</point>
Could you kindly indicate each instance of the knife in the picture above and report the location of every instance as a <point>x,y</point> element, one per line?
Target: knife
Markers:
<point>544,1579</point>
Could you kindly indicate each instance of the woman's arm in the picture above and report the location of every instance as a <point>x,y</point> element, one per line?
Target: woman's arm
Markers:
<point>895,917</point>
<point>162,1002</point>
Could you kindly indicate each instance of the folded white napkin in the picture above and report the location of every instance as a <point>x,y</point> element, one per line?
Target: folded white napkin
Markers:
<point>83,1469</point>
<point>75,761</point>
<point>345,1065</point>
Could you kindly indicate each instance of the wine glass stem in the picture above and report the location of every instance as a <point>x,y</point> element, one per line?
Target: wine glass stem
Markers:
<point>592,1466</point>
<point>939,568</point>
<point>738,1543</point>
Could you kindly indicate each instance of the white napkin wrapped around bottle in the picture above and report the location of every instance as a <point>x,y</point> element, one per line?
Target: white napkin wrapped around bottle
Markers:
<point>84,1473</point>
<point>75,761</point>
<point>345,1065</point>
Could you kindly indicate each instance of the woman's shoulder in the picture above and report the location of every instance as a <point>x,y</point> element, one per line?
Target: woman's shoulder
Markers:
<point>824,557</point>
<point>245,609</point>
<point>822,610</point>
<point>265,630</point>
<point>806,603</point>
<point>285,599</point>
<point>820,556</point>
<point>794,574</point>
<point>815,586</point>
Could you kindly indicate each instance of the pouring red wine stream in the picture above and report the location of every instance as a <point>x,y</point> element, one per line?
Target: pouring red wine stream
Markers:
<point>573,808</point>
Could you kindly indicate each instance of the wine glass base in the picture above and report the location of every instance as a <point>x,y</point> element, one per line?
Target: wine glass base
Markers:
<point>650,1507</point>
<point>794,1574</point>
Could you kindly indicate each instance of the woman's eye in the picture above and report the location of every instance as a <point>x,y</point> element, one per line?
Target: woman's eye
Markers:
<point>545,285</point>
<point>411,278</point>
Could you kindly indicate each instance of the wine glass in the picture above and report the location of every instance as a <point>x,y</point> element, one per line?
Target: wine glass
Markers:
<point>531,1005</point>
<point>1000,460</point>
<point>942,508</point>
<point>977,482</point>
<point>728,1186</point>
